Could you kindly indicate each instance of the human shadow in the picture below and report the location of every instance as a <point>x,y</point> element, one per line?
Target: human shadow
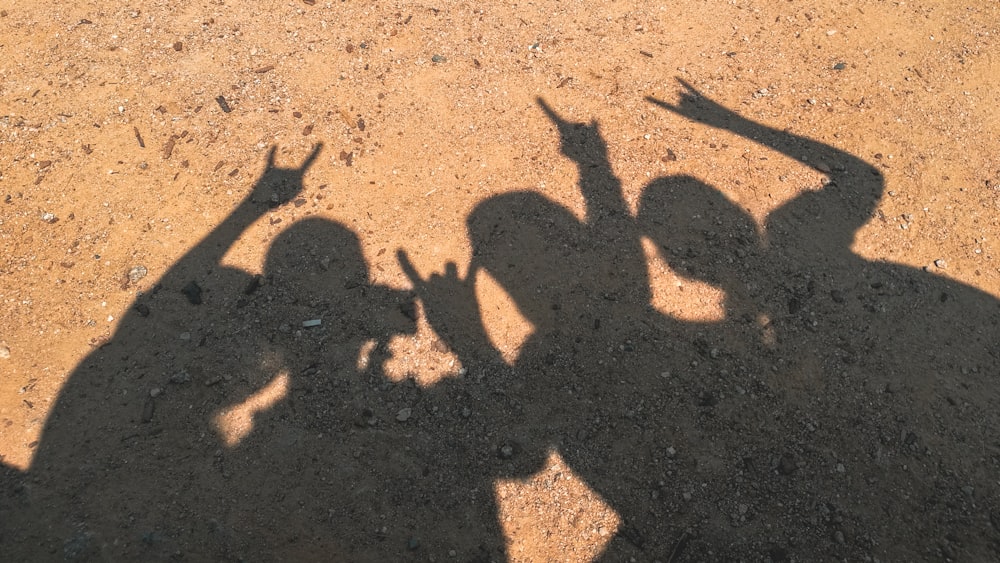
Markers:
<point>838,407</point>
<point>891,371</point>
<point>235,416</point>
<point>834,393</point>
<point>589,379</point>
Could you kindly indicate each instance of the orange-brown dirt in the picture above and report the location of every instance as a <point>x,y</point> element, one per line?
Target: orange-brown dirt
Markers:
<point>687,281</point>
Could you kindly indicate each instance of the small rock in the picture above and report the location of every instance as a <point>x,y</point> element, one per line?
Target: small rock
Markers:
<point>4,352</point>
<point>155,392</point>
<point>969,491</point>
<point>941,263</point>
<point>671,452</point>
<point>180,377</point>
<point>148,408</point>
<point>185,336</point>
<point>840,66</point>
<point>49,218</point>
<point>193,292</point>
<point>838,537</point>
<point>786,465</point>
<point>404,414</point>
<point>223,104</point>
<point>506,451</point>
<point>142,309</point>
<point>409,310</point>
<point>837,296</point>
<point>439,59</point>
<point>794,305</point>
<point>137,273</point>
<point>253,285</point>
<point>413,544</point>
<point>707,399</point>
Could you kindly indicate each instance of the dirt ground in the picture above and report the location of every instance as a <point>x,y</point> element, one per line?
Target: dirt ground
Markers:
<point>537,281</point>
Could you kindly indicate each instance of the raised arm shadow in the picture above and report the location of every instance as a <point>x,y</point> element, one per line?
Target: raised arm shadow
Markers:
<point>843,205</point>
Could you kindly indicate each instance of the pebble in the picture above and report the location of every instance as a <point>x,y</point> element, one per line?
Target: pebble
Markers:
<point>193,293</point>
<point>786,465</point>
<point>941,263</point>
<point>137,273</point>
<point>49,218</point>
<point>155,392</point>
<point>404,414</point>
<point>439,59</point>
<point>969,491</point>
<point>312,323</point>
<point>185,336</point>
<point>4,352</point>
<point>148,408</point>
<point>223,104</point>
<point>180,377</point>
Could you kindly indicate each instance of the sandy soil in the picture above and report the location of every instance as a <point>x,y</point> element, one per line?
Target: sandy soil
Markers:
<point>545,281</point>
